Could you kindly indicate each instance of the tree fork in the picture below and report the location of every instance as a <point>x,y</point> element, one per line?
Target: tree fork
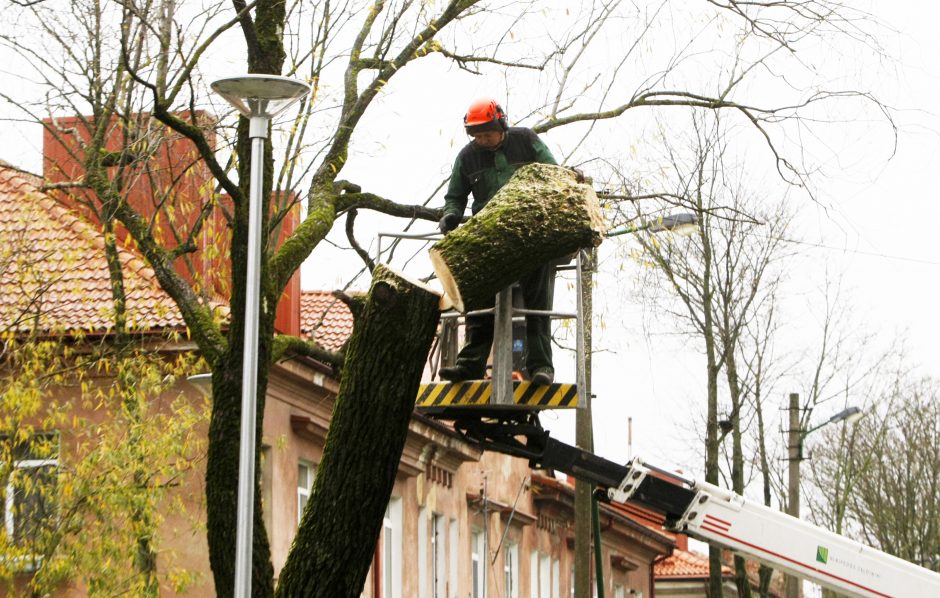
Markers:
<point>384,362</point>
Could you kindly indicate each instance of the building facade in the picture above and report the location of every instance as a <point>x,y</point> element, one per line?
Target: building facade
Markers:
<point>459,520</point>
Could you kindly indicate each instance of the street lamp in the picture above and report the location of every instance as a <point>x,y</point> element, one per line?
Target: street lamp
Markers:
<point>680,224</point>
<point>585,505</point>
<point>849,415</point>
<point>795,449</point>
<point>259,98</point>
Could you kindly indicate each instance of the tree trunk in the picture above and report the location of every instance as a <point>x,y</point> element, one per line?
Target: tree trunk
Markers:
<point>541,214</point>
<point>715,587</point>
<point>222,468</point>
<point>384,361</point>
<point>741,578</point>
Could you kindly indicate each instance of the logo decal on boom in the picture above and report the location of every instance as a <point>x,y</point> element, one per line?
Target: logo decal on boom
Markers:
<point>822,554</point>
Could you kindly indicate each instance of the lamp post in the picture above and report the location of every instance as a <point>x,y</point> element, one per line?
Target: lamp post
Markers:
<point>679,224</point>
<point>259,98</point>
<point>584,502</point>
<point>795,455</point>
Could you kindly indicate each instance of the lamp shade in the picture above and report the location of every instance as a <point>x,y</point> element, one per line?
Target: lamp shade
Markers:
<point>677,223</point>
<point>260,95</point>
<point>848,415</point>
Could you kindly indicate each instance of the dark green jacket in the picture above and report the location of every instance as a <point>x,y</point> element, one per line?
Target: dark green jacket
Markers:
<point>483,172</point>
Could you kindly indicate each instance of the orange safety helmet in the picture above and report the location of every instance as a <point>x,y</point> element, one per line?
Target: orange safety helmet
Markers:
<point>484,115</point>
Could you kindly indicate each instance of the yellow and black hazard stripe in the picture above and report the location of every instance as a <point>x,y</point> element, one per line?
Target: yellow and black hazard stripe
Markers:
<point>480,392</point>
<point>445,394</point>
<point>545,395</point>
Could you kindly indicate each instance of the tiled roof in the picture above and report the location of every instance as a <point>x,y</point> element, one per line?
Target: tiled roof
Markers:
<point>638,514</point>
<point>640,518</point>
<point>685,564</point>
<point>325,319</point>
<point>53,273</point>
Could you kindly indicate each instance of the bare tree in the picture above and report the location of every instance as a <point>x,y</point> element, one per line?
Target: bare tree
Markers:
<point>876,480</point>
<point>721,285</point>
<point>131,72</point>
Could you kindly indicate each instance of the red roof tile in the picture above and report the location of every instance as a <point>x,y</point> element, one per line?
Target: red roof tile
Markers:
<point>640,517</point>
<point>685,564</point>
<point>53,273</point>
<point>325,319</point>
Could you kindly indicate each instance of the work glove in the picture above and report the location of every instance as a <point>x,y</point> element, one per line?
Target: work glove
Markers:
<point>449,222</point>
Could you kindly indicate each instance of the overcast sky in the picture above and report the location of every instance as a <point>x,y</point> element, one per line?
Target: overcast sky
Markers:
<point>874,222</point>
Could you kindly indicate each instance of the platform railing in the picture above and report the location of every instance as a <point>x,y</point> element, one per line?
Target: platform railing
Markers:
<point>504,315</point>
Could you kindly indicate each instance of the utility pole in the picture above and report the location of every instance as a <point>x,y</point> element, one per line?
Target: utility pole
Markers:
<point>795,436</point>
<point>794,455</point>
<point>584,431</point>
<point>584,439</point>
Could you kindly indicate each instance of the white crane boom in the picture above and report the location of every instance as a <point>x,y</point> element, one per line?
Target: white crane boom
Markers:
<point>720,517</point>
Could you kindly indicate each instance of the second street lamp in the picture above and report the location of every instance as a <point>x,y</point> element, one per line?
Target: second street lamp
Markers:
<point>795,454</point>
<point>259,98</point>
<point>682,223</point>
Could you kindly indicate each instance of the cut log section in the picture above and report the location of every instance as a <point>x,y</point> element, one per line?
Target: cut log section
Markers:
<point>540,215</point>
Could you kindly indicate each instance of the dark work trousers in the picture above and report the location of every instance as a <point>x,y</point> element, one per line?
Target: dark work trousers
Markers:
<point>538,290</point>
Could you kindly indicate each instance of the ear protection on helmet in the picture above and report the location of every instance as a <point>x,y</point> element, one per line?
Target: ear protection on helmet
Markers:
<point>485,115</point>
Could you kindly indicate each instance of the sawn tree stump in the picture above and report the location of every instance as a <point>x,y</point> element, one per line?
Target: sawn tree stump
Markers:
<point>541,214</point>
<point>390,341</point>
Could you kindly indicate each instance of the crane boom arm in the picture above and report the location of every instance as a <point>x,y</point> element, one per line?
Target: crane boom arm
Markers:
<point>719,516</point>
<point>712,514</point>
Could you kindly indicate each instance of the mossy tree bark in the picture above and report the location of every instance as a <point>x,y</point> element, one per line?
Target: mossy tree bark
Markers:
<point>541,214</point>
<point>384,361</point>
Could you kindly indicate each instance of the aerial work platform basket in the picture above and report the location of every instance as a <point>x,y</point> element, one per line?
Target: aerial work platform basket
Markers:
<point>504,389</point>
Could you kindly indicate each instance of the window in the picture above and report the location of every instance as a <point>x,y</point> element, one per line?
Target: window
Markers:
<point>534,574</point>
<point>476,562</point>
<point>423,553</point>
<point>438,556</point>
<point>556,578</point>
<point>392,549</point>
<point>454,543</point>
<point>511,570</point>
<point>545,576</point>
<point>28,492</point>
<point>306,473</point>
<point>618,591</point>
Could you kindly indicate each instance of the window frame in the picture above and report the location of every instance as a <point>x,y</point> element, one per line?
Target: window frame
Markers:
<point>303,493</point>
<point>18,464</point>
<point>391,581</point>
<point>438,539</point>
<point>477,563</point>
<point>511,570</point>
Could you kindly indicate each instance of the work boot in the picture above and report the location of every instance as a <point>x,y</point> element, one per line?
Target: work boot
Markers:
<point>456,373</point>
<point>543,376</point>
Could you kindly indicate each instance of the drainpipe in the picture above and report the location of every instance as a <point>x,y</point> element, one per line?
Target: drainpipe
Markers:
<point>652,588</point>
<point>598,560</point>
<point>377,570</point>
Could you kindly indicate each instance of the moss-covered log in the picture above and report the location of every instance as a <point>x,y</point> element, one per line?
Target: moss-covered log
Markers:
<point>384,361</point>
<point>541,214</point>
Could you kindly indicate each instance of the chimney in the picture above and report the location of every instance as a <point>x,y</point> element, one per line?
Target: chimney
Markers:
<point>170,189</point>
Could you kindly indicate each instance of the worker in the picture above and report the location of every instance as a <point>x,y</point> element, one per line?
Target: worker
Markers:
<point>482,167</point>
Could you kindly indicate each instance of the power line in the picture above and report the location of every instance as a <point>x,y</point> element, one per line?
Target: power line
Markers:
<point>861,252</point>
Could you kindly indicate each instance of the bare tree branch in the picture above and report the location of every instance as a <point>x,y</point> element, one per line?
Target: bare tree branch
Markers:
<point>350,235</point>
